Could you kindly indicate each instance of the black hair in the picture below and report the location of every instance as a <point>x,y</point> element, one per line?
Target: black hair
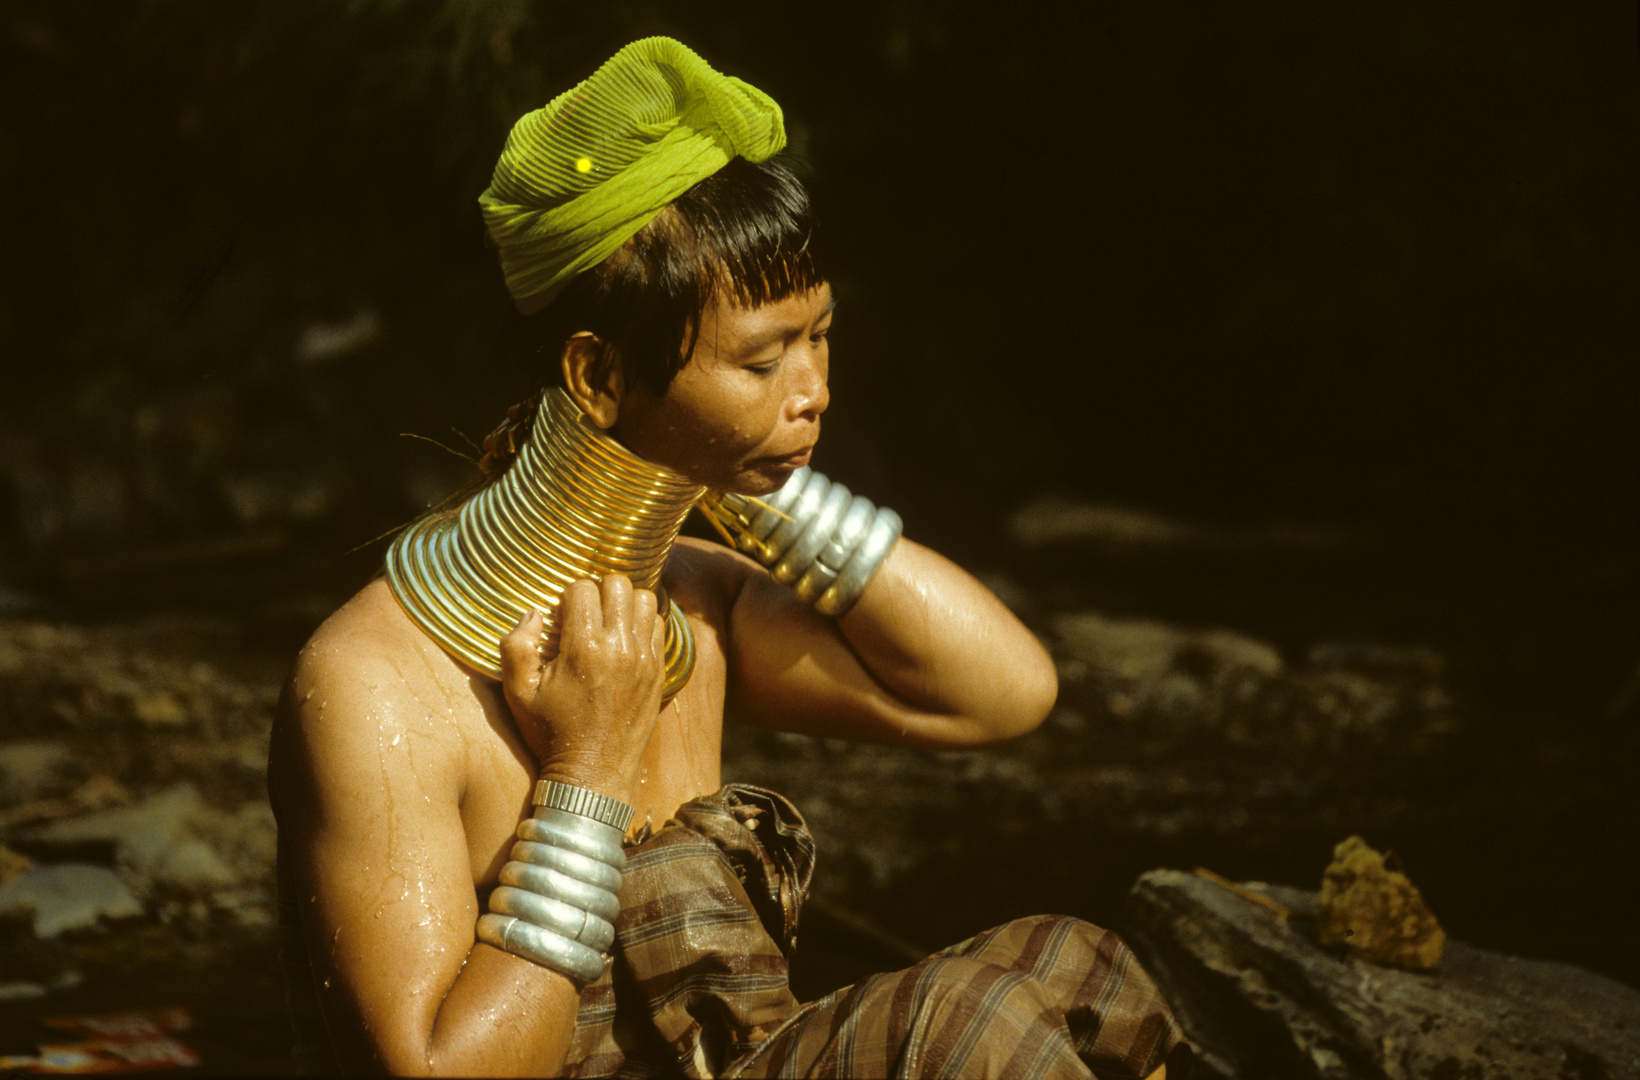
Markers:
<point>748,229</point>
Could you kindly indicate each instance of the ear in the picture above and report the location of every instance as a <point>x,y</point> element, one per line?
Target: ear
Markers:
<point>594,379</point>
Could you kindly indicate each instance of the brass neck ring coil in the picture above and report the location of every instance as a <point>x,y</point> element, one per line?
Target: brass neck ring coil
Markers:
<point>574,504</point>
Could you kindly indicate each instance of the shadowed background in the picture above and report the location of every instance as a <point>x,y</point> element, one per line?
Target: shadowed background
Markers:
<point>1360,273</point>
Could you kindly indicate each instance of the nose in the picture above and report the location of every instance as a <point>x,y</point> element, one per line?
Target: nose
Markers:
<point>811,395</point>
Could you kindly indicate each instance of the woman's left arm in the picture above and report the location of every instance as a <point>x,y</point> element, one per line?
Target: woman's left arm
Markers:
<point>927,657</point>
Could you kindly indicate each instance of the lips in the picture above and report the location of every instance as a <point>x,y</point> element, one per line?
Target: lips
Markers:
<point>794,460</point>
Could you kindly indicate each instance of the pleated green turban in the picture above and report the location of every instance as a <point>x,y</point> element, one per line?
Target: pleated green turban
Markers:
<point>582,175</point>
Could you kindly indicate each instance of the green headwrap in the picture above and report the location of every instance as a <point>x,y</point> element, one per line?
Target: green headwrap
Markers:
<point>582,175</point>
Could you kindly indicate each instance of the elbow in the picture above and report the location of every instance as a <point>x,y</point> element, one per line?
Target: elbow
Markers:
<point>1045,693</point>
<point>1038,693</point>
<point>1030,693</point>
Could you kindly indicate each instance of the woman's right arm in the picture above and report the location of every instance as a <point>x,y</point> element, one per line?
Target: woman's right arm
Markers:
<point>369,781</point>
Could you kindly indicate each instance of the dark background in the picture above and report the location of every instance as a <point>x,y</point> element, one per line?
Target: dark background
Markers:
<point>1366,269</point>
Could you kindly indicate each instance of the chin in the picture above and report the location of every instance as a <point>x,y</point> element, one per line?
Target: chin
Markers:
<point>761,480</point>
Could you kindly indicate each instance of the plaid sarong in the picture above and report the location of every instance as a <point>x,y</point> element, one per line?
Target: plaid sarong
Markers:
<point>698,987</point>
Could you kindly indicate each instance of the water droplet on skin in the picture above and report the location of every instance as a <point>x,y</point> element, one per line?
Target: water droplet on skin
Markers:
<point>307,696</point>
<point>327,981</point>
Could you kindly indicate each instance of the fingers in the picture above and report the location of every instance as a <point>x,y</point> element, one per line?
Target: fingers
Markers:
<point>645,605</point>
<point>649,629</point>
<point>609,613</point>
<point>520,660</point>
<point>580,612</point>
<point>616,593</point>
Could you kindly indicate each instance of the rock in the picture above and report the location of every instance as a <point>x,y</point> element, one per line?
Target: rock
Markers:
<point>1059,521</point>
<point>54,678</point>
<point>1140,651</point>
<point>156,841</point>
<point>1376,913</point>
<point>33,770</point>
<point>1378,659</point>
<point>68,896</point>
<point>1052,521</point>
<point>1219,691</point>
<point>158,708</point>
<point>247,907</point>
<point>13,865</point>
<point>30,990</point>
<point>1230,651</point>
<point>1260,998</point>
<point>21,991</point>
<point>193,866</point>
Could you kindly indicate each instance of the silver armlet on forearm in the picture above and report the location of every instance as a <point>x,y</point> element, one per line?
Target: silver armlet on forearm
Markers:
<point>813,535</point>
<point>556,904</point>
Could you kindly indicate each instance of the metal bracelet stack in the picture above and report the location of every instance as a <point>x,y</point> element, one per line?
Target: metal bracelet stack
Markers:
<point>814,535</point>
<point>556,904</point>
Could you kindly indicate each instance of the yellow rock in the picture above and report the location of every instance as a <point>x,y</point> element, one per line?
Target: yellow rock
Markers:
<point>1375,912</point>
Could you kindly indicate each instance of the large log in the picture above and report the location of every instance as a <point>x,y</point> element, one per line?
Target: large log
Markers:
<point>1260,999</point>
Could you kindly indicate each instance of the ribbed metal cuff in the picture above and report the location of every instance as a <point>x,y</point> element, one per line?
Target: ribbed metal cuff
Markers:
<point>545,947</point>
<point>579,800</point>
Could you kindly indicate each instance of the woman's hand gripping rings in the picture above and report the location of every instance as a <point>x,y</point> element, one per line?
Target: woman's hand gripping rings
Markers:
<point>588,712</point>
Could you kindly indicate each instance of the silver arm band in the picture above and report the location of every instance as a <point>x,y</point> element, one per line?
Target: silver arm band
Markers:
<point>575,833</point>
<point>556,904</point>
<point>562,888</point>
<point>862,566</point>
<point>814,536</point>
<point>575,923</point>
<point>775,508</point>
<point>795,517</point>
<point>545,947</point>
<point>579,867</point>
<point>811,535</point>
<point>835,554</point>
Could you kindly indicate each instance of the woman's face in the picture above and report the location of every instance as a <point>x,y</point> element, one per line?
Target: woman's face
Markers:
<point>744,413</point>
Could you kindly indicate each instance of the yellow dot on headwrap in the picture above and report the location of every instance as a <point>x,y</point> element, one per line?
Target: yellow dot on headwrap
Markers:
<point>661,120</point>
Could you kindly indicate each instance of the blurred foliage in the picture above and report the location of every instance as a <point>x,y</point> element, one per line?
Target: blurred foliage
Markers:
<point>1372,265</point>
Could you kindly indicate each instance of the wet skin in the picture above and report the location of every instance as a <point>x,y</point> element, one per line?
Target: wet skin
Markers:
<point>399,775</point>
<point>745,411</point>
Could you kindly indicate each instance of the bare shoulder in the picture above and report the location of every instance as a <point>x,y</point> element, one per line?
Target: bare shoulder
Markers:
<point>369,642</point>
<point>369,627</point>
<point>366,683</point>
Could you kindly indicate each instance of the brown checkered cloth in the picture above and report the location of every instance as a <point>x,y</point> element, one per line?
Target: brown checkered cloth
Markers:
<point>698,987</point>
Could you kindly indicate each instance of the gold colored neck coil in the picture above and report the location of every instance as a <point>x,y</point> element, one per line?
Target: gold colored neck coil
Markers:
<point>574,504</point>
